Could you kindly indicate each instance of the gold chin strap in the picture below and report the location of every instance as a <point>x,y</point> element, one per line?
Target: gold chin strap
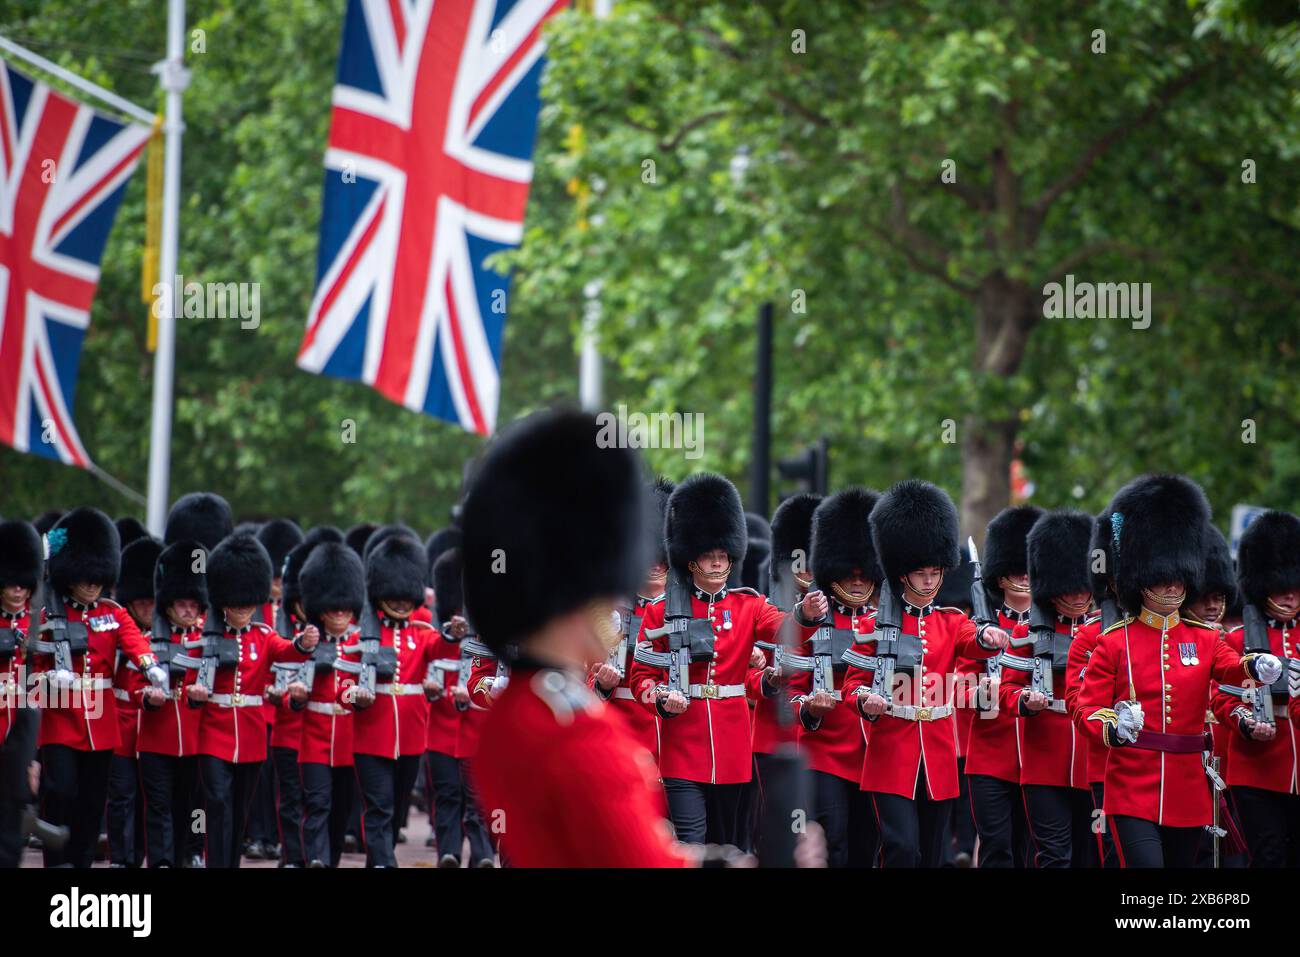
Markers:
<point>1278,612</point>
<point>721,576</point>
<point>388,610</point>
<point>1074,610</point>
<point>849,598</point>
<point>1006,584</point>
<point>1156,602</point>
<point>925,596</point>
<point>657,577</point>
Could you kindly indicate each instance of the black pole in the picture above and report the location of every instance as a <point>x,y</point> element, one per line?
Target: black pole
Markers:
<point>760,464</point>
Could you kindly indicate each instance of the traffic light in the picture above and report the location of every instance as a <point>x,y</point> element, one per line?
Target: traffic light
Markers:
<point>810,468</point>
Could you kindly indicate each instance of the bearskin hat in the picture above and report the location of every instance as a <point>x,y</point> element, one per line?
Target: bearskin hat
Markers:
<point>1101,558</point>
<point>357,536</point>
<point>290,590</point>
<point>449,595</point>
<point>22,555</point>
<point>752,572</point>
<point>841,537</point>
<point>657,507</point>
<point>239,573</point>
<point>1058,555</point>
<point>247,528</point>
<point>756,526</point>
<point>83,547</point>
<point>129,529</point>
<point>396,568</point>
<point>552,519</point>
<point>279,536</point>
<point>174,577</point>
<point>47,520</point>
<point>201,516</point>
<point>1220,575</point>
<point>440,541</point>
<point>704,513</point>
<point>792,533</point>
<point>1157,535</point>
<point>914,525</point>
<point>1268,558</point>
<point>1005,549</point>
<point>135,577</point>
<point>955,590</point>
<point>332,579</point>
<point>384,533</point>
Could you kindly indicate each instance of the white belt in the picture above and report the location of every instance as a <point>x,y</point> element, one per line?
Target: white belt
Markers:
<point>912,713</point>
<point>236,700</point>
<point>85,684</point>
<point>327,707</point>
<point>717,691</point>
<point>399,689</point>
<point>121,694</point>
<point>624,693</point>
<point>447,664</point>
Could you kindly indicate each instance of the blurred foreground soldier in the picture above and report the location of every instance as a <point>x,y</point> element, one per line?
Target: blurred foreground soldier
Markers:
<point>19,782</point>
<point>1262,763</point>
<point>705,733</point>
<point>22,566</point>
<point>911,763</point>
<point>1148,681</point>
<point>993,752</point>
<point>557,765</point>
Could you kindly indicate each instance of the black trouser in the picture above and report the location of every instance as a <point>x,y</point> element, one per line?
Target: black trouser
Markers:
<point>125,821</point>
<point>963,818</point>
<point>381,781</point>
<point>1270,823</point>
<point>228,790</point>
<point>995,806</point>
<point>289,788</point>
<point>16,757</point>
<point>845,813</point>
<point>1143,843</point>
<point>1059,824</point>
<point>75,789</point>
<point>704,813</point>
<point>1100,829</point>
<point>454,812</point>
<point>168,785</point>
<point>261,819</point>
<point>913,831</point>
<point>327,808</point>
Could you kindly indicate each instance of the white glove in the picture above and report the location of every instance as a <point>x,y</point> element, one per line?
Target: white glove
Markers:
<point>157,677</point>
<point>499,685</point>
<point>63,678</point>
<point>1269,669</point>
<point>1131,721</point>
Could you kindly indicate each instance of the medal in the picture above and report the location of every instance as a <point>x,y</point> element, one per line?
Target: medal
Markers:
<point>252,652</point>
<point>410,642</point>
<point>726,619</point>
<point>1187,653</point>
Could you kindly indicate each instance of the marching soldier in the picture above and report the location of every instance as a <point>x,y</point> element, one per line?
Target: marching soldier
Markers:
<point>705,753</point>
<point>1053,759</point>
<point>22,565</point>
<point>1262,764</point>
<point>1147,683</point>
<point>79,727</point>
<point>993,751</point>
<point>232,726</point>
<point>199,516</point>
<point>911,762</point>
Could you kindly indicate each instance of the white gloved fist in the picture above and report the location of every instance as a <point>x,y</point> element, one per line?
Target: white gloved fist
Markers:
<point>1131,721</point>
<point>157,676</point>
<point>63,678</point>
<point>1268,668</point>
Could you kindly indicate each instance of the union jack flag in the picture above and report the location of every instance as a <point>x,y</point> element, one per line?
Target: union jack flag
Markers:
<point>426,174</point>
<point>63,167</point>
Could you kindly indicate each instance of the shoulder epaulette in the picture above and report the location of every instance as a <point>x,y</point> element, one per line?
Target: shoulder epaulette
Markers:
<point>1119,624</point>
<point>744,590</point>
<point>109,602</point>
<point>264,626</point>
<point>564,694</point>
<point>1233,631</point>
<point>1199,624</point>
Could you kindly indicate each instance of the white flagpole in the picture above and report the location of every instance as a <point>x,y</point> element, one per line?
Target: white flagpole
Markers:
<point>173,78</point>
<point>591,381</point>
<point>118,103</point>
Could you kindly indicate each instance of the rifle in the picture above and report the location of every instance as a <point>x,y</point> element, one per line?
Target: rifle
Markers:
<point>981,611</point>
<point>1049,653</point>
<point>894,650</point>
<point>1109,613</point>
<point>214,649</point>
<point>1259,697</point>
<point>829,645</point>
<point>376,661</point>
<point>63,639</point>
<point>689,639</point>
<point>631,626</point>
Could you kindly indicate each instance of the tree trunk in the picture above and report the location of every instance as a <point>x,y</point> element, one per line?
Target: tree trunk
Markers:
<point>1004,317</point>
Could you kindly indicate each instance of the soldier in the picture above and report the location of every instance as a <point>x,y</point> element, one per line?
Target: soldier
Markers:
<point>199,516</point>
<point>79,727</point>
<point>22,565</point>
<point>390,723</point>
<point>705,732</point>
<point>1053,758</point>
<point>1148,681</point>
<point>334,594</point>
<point>993,751</point>
<point>1262,764</point>
<point>911,764</point>
<point>232,726</point>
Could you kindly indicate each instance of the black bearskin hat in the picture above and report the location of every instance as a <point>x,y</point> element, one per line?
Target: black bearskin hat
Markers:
<point>955,590</point>
<point>448,594</point>
<point>1268,558</point>
<point>704,513</point>
<point>290,590</point>
<point>47,520</point>
<point>756,526</point>
<point>1059,555</point>
<point>841,537</point>
<point>135,577</point>
<point>657,507</point>
<point>792,534</point>
<point>239,573</point>
<point>396,568</point>
<point>752,572</point>
<point>914,525</point>
<point>357,536</point>
<point>22,555</point>
<point>129,529</point>
<point>279,536</point>
<point>83,547</point>
<point>552,520</point>
<point>384,533</point>
<point>440,541</point>
<point>1101,558</point>
<point>175,578</point>
<point>201,516</point>
<point>1006,552</point>
<point>1220,576</point>
<point>247,528</point>
<point>332,579</point>
<point>1157,535</point>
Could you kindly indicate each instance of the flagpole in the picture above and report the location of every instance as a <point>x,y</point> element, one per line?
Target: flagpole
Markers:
<point>591,381</point>
<point>118,103</point>
<point>173,78</point>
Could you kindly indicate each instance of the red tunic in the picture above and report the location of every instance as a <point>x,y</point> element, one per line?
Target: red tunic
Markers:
<point>397,723</point>
<point>237,732</point>
<point>1085,641</point>
<point>128,687</point>
<point>173,728</point>
<point>710,741</point>
<point>575,788</point>
<point>286,732</point>
<point>838,746</point>
<point>444,720</point>
<point>1269,765</point>
<point>992,749</point>
<point>1167,788</point>
<point>1052,751</point>
<point>326,721</point>
<point>642,722</point>
<point>87,717</point>
<point>897,748</point>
